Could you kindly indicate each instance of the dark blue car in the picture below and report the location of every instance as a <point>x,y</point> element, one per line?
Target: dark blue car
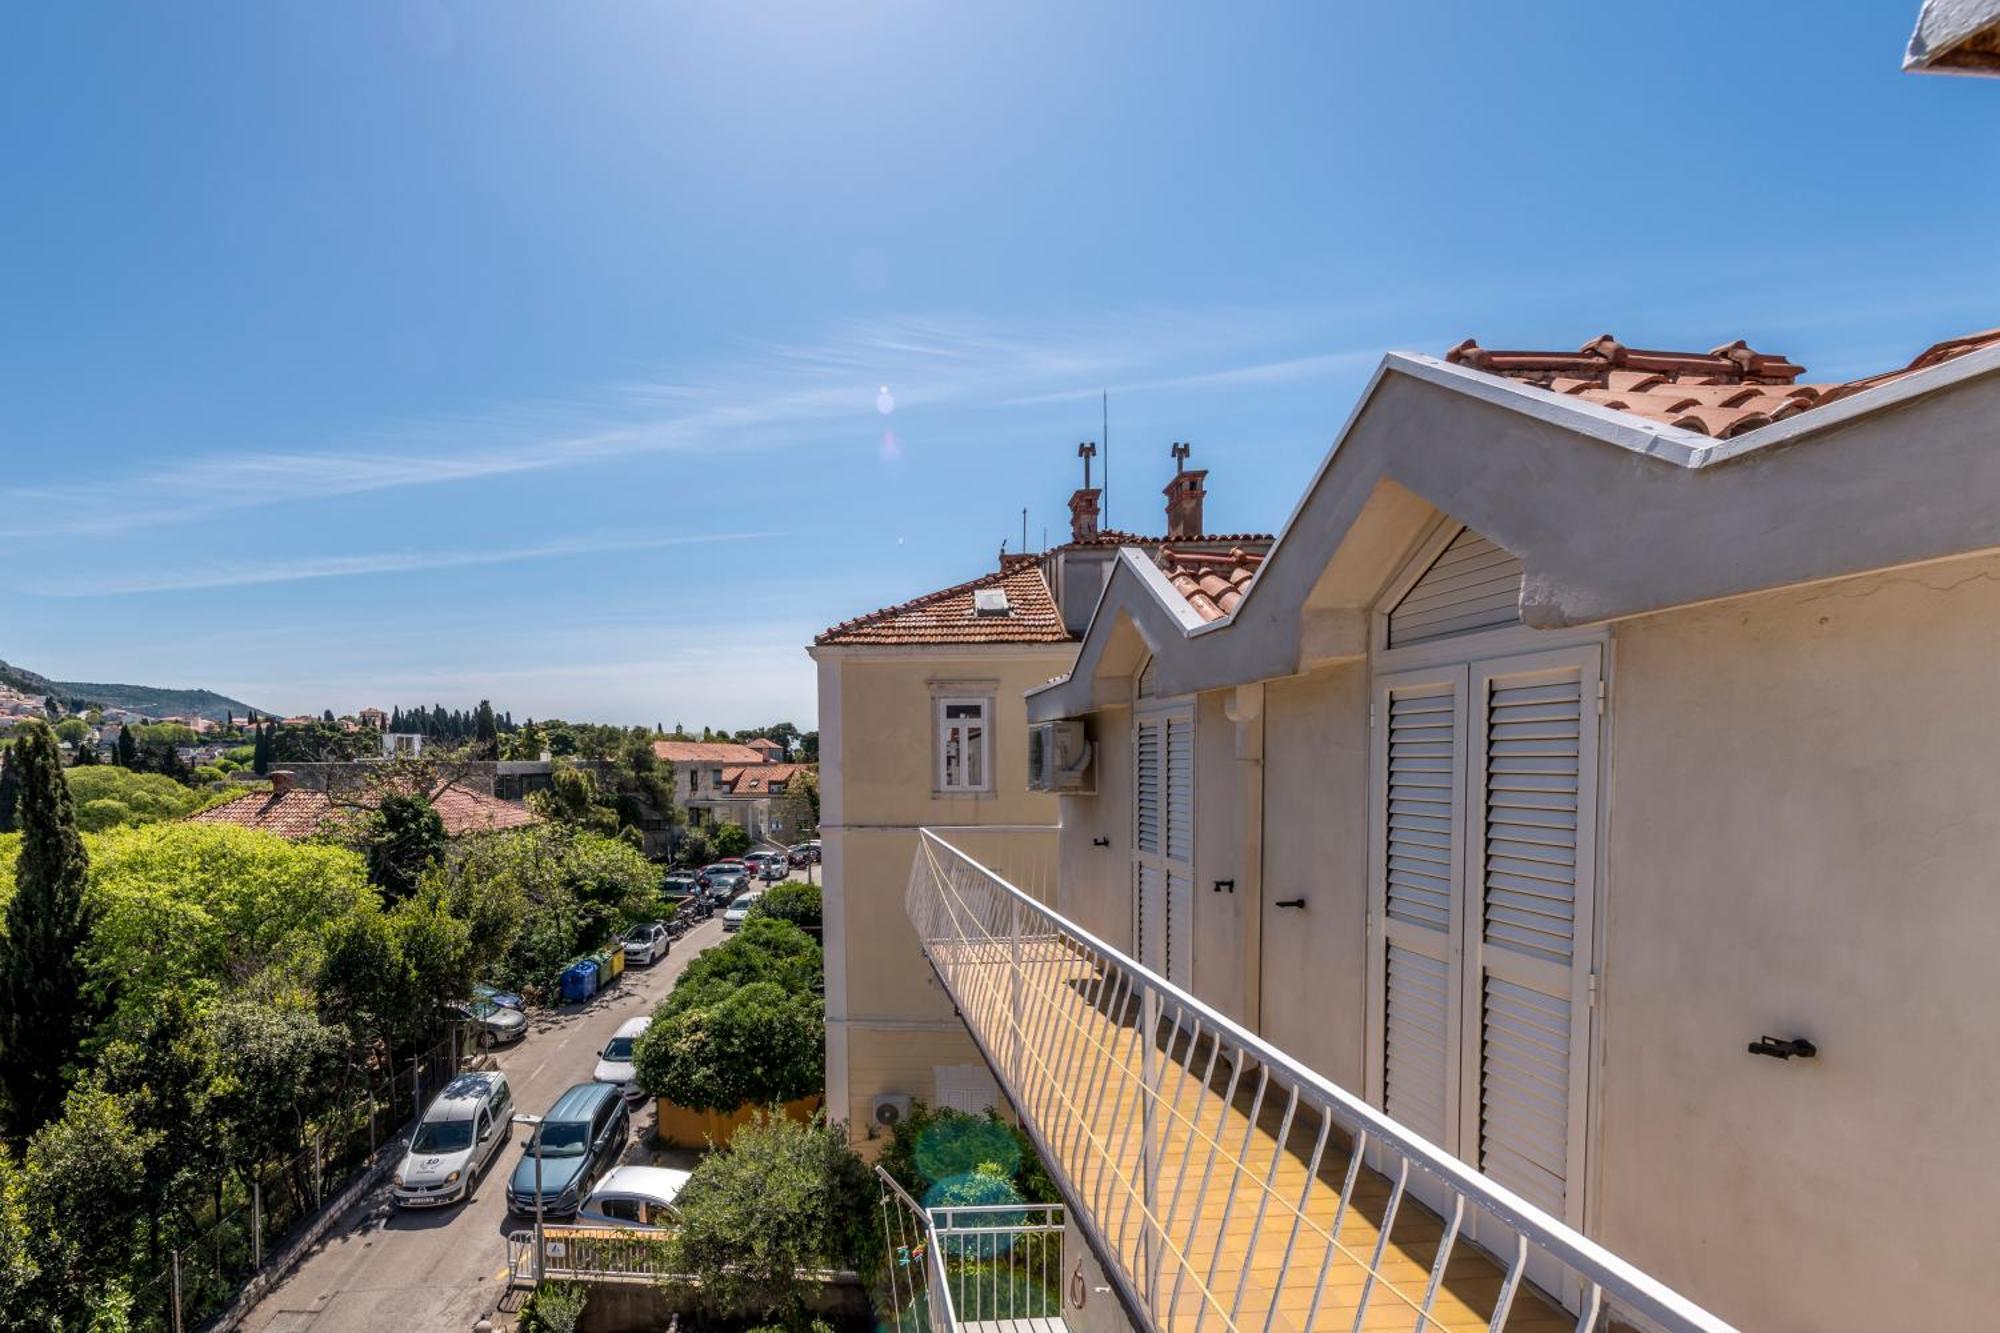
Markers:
<point>582,1134</point>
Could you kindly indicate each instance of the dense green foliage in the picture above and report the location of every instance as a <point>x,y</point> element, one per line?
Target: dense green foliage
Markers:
<point>321,742</point>
<point>554,1307</point>
<point>759,1218</point>
<point>791,901</point>
<point>731,840</point>
<point>745,1025</point>
<point>108,796</point>
<point>933,1147</point>
<point>45,1011</point>
<point>403,838</point>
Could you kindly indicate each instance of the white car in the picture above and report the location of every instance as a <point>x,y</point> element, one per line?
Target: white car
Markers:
<point>646,943</point>
<point>634,1197</point>
<point>739,910</point>
<point>462,1131</point>
<point>614,1062</point>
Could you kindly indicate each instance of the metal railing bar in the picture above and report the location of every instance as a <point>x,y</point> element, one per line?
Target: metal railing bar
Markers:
<point>1389,1212</point>
<point>1355,1151</point>
<point>1299,1215</point>
<point>1504,1302</point>
<point>1445,1244</point>
<point>1264,1203</point>
<point>1643,1295</point>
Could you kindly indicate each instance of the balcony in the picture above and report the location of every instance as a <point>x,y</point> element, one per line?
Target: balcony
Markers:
<point>1223,1184</point>
<point>986,1268</point>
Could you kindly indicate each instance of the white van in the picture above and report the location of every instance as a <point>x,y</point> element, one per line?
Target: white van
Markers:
<point>462,1131</point>
<point>614,1062</point>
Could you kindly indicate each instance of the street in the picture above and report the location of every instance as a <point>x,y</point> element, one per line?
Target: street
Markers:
<point>380,1269</point>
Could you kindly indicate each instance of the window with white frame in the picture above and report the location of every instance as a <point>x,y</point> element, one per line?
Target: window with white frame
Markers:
<point>964,745</point>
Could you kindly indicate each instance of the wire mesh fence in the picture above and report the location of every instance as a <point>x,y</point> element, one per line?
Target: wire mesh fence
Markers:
<point>256,1213</point>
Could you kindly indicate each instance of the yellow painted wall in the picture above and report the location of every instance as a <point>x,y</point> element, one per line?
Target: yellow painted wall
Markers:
<point>1804,836</point>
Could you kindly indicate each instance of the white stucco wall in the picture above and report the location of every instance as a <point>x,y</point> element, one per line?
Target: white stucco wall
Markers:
<point>1805,839</point>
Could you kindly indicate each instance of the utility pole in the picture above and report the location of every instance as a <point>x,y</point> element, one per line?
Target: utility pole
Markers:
<point>541,1241</point>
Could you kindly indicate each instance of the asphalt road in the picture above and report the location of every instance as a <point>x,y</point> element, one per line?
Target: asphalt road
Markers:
<point>383,1271</point>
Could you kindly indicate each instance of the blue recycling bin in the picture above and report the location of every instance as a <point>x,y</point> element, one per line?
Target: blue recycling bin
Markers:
<point>579,981</point>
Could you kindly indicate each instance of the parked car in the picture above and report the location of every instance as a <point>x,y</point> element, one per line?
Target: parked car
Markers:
<point>491,1024</point>
<point>614,1062</point>
<point>805,853</point>
<point>739,865</point>
<point>506,999</point>
<point>647,943</point>
<point>739,910</point>
<point>678,884</point>
<point>723,878</point>
<point>462,1131</point>
<point>582,1135</point>
<point>775,869</point>
<point>635,1198</point>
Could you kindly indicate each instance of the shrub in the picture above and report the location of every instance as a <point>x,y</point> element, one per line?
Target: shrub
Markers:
<point>731,840</point>
<point>107,797</point>
<point>757,1219</point>
<point>934,1145</point>
<point>796,903</point>
<point>754,1044</point>
<point>763,950</point>
<point>556,1307</point>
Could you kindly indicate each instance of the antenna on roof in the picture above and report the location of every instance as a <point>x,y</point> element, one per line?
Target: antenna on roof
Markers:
<point>1024,529</point>
<point>1104,434</point>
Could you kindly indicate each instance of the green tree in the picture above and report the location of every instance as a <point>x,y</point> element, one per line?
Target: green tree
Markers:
<point>107,797</point>
<point>696,848</point>
<point>10,791</point>
<point>260,754</point>
<point>793,902</point>
<point>760,1218</point>
<point>128,748</point>
<point>404,838</point>
<point>17,1261</point>
<point>364,981</point>
<point>45,1011</point>
<point>486,732</point>
<point>801,804</point>
<point>74,730</point>
<point>280,1068</point>
<point>731,840</point>
<point>92,1152</point>
<point>751,1045</point>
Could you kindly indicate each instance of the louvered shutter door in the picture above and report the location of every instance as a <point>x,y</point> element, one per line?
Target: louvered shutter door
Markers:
<point>1420,766</point>
<point>1534,783</point>
<point>1148,925</point>
<point>1472,585</point>
<point>1179,850</point>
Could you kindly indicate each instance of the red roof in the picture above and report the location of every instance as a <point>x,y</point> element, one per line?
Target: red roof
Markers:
<point>707,752</point>
<point>952,616</point>
<point>756,780</point>
<point>1213,582</point>
<point>1724,392</point>
<point>299,813</point>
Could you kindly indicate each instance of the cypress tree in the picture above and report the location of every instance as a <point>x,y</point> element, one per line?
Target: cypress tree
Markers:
<point>44,1012</point>
<point>128,747</point>
<point>486,732</point>
<point>260,754</point>
<point>10,790</point>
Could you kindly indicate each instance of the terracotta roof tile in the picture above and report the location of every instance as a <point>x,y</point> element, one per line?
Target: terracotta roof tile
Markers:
<point>300,813</point>
<point>756,779</point>
<point>949,615</point>
<point>1212,582</point>
<point>1727,391</point>
<point>707,752</point>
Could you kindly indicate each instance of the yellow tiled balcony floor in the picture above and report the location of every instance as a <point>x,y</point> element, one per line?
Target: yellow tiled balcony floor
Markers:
<point>1076,1057</point>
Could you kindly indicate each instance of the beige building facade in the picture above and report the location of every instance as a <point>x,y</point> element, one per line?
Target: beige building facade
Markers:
<point>1596,778</point>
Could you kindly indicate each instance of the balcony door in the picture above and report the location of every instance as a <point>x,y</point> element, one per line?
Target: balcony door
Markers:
<point>1163,840</point>
<point>1483,846</point>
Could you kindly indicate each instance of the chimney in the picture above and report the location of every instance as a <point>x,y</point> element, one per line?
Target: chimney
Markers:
<point>1184,496</point>
<point>282,781</point>
<point>1083,514</point>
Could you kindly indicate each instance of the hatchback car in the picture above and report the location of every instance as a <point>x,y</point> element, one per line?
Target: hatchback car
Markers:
<point>634,1198</point>
<point>677,885</point>
<point>491,1024</point>
<point>581,1135</point>
<point>462,1131</point>
<point>646,943</point>
<point>739,911</point>
<point>614,1062</point>
<point>723,878</point>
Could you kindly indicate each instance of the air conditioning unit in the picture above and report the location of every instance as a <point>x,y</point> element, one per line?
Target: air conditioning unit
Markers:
<point>891,1109</point>
<point>1059,759</point>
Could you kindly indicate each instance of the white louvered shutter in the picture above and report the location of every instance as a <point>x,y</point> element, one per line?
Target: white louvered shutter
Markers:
<point>1420,767</point>
<point>1472,585</point>
<point>1534,784</point>
<point>1178,853</point>
<point>1148,907</point>
<point>1163,843</point>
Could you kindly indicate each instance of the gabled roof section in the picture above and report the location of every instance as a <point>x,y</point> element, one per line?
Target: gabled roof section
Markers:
<point>299,813</point>
<point>707,752</point>
<point>1956,37</point>
<point>1722,393</point>
<point>952,616</point>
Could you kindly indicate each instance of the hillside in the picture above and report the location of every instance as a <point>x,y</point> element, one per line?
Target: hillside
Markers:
<point>148,699</point>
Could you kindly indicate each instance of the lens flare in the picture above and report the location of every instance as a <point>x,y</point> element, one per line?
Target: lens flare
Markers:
<point>885,402</point>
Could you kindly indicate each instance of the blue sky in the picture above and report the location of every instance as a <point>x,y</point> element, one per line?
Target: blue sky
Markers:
<point>432,351</point>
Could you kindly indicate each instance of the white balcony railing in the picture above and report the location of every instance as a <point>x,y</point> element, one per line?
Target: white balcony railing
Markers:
<point>971,1267</point>
<point>1224,1184</point>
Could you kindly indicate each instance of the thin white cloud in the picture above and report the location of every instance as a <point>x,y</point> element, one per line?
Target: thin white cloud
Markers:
<point>347,566</point>
<point>768,396</point>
